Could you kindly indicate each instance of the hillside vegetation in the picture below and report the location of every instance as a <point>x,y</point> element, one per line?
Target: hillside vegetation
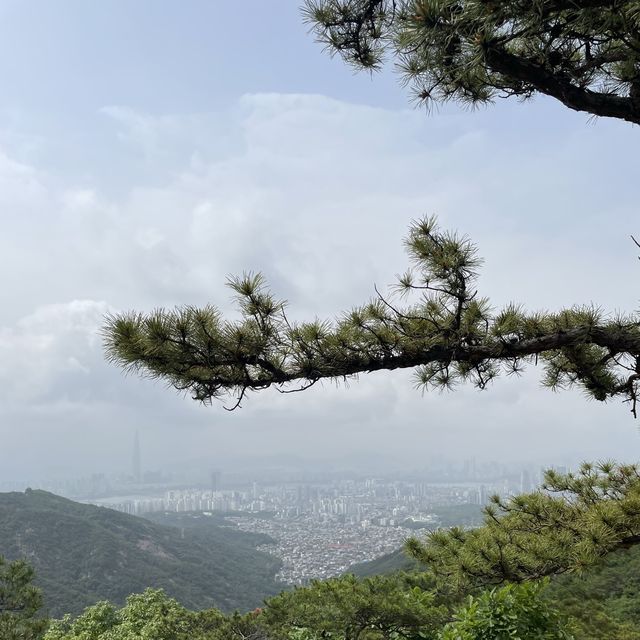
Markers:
<point>83,553</point>
<point>603,602</point>
<point>389,563</point>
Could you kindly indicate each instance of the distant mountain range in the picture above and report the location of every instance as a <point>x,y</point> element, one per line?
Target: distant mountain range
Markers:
<point>83,553</point>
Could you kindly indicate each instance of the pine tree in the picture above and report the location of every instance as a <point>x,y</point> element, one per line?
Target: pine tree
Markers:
<point>20,602</point>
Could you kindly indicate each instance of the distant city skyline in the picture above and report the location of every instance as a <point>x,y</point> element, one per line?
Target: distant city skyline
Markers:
<point>275,471</point>
<point>321,528</point>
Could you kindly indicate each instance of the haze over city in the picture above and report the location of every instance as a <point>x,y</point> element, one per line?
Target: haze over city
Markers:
<point>144,174</point>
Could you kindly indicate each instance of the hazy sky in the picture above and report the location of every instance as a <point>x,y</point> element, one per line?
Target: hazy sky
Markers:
<point>150,149</point>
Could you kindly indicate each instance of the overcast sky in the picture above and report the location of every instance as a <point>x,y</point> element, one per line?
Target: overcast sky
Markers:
<point>148,150</point>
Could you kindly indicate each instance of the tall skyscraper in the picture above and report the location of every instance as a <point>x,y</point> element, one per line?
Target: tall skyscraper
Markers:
<point>215,482</point>
<point>137,475</point>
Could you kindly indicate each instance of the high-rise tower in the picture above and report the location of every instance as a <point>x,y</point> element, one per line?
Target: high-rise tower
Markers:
<point>215,482</point>
<point>136,458</point>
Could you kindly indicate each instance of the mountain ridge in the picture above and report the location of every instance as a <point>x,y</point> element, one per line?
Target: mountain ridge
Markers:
<point>85,553</point>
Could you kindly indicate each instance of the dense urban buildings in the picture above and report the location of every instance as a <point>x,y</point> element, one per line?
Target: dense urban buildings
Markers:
<point>320,522</point>
<point>319,529</point>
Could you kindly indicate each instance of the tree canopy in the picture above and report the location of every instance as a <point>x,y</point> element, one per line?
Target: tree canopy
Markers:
<point>348,607</point>
<point>381,608</point>
<point>514,611</point>
<point>584,53</point>
<point>147,616</point>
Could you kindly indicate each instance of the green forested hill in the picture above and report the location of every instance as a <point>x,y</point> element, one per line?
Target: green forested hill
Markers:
<point>84,553</point>
<point>605,599</point>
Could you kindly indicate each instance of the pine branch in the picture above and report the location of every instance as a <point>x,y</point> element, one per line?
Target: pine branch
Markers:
<point>584,54</point>
<point>447,334</point>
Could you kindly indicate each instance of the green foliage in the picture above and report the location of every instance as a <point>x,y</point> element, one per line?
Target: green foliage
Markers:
<point>514,612</point>
<point>152,615</point>
<point>147,616</point>
<point>448,334</point>
<point>571,524</point>
<point>84,553</point>
<point>585,54</point>
<point>250,626</point>
<point>603,601</point>
<point>381,607</point>
<point>20,602</point>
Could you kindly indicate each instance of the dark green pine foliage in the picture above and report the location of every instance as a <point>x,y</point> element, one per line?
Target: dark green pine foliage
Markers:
<point>378,607</point>
<point>569,525</point>
<point>586,54</point>
<point>20,602</point>
<point>447,332</point>
<point>601,602</point>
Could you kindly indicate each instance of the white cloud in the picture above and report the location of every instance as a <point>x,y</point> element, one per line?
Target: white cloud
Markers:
<point>57,342</point>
